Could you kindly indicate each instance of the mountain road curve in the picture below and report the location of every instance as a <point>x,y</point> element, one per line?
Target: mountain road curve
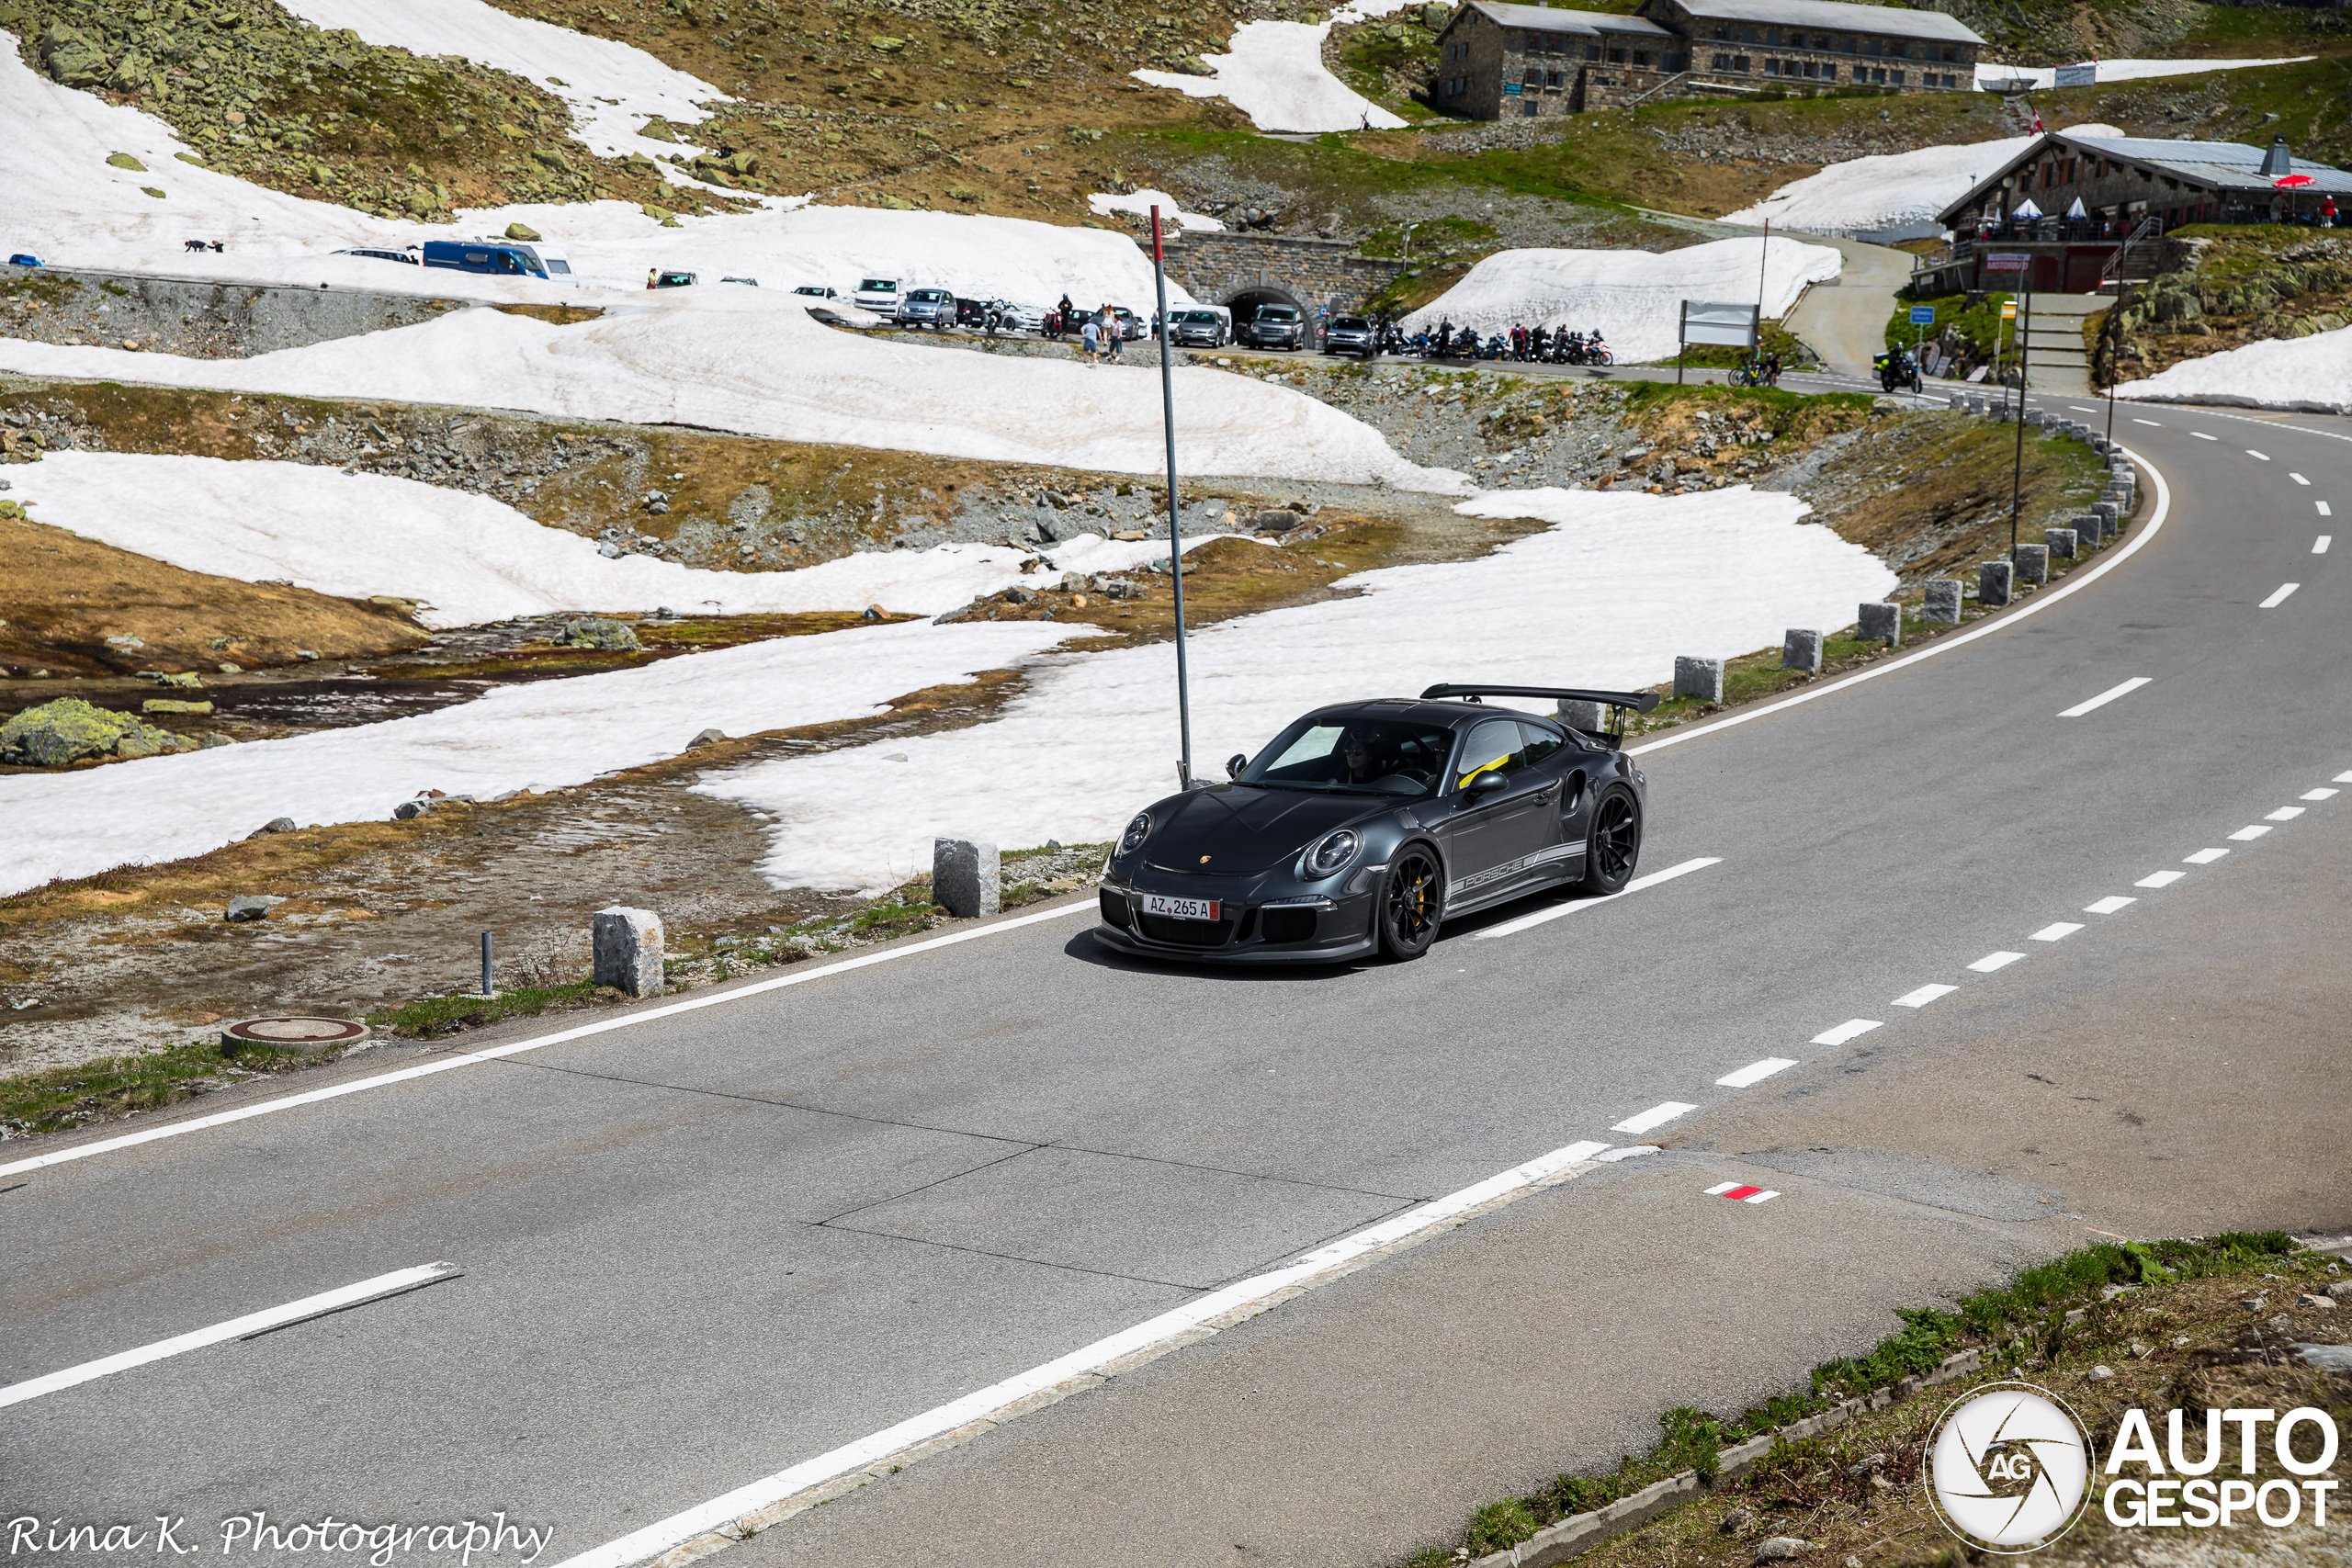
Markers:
<point>640,1282</point>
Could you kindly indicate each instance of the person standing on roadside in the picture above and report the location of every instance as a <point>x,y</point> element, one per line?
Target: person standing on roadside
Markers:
<point>1091,334</point>
<point>1115,333</point>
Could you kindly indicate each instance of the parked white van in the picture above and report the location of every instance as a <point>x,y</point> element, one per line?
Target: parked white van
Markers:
<point>879,295</point>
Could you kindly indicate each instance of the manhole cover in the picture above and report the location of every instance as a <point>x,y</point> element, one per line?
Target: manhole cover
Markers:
<point>308,1036</point>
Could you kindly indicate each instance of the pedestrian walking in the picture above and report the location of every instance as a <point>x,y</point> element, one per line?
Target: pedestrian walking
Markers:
<point>1092,334</point>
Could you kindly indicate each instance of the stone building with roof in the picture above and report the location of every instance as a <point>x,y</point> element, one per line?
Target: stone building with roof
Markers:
<point>1496,59</point>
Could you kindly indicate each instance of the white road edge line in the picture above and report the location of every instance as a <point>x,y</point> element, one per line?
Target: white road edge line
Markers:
<point>1657,1115</point>
<point>1924,995</point>
<point>2075,582</point>
<point>1523,922</point>
<point>771,1499</point>
<point>467,1059</point>
<point>2106,696</point>
<point>2286,592</point>
<point>235,1329</point>
<point>1852,1028</point>
<point>1756,1072</point>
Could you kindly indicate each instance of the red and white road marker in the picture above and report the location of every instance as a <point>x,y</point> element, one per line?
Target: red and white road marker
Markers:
<point>1742,1191</point>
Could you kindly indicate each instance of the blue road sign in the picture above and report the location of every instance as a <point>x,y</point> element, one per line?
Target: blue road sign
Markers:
<point>1923,315</point>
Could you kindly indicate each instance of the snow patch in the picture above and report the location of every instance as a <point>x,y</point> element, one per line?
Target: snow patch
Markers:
<point>1892,197</point>
<point>2306,374</point>
<point>1634,298</point>
<point>542,734</point>
<point>1989,71</point>
<point>1141,202</point>
<point>1274,73</point>
<point>611,87</point>
<point>1606,597</point>
<point>751,360</point>
<point>473,558</point>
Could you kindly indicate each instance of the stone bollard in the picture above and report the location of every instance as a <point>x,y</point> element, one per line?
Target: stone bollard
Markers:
<point>1993,583</point>
<point>1943,600</point>
<point>2060,542</point>
<point>1699,678</point>
<point>629,949</point>
<point>1879,623</point>
<point>2107,511</point>
<point>1956,401</point>
<point>2033,563</point>
<point>1587,717</point>
<point>1976,405</point>
<point>1800,650</point>
<point>2088,533</point>
<point>967,878</point>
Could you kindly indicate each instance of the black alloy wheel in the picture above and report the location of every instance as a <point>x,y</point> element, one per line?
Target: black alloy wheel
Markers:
<point>1614,844</point>
<point>1410,902</point>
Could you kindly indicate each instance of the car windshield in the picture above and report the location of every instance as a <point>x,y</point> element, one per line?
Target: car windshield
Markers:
<point>928,296</point>
<point>1276,313</point>
<point>1354,756</point>
<point>1199,318</point>
<point>1350,324</point>
<point>878,286</point>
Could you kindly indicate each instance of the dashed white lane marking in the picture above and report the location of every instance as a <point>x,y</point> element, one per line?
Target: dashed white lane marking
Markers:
<point>2324,510</point>
<point>1923,996</point>
<point>2077,408</point>
<point>2107,904</point>
<point>2150,424</point>
<point>2106,697</point>
<point>1655,1116</point>
<point>2319,795</point>
<point>2298,479</point>
<point>2284,593</point>
<point>2247,835</point>
<point>2344,777</point>
<point>235,1329</point>
<point>1852,1028</point>
<point>1513,927</point>
<point>2204,857</point>
<point>2285,814</point>
<point>2252,453</point>
<point>2319,546</point>
<point>1992,961</point>
<point>2057,931</point>
<point>2202,436</point>
<point>2160,879</point>
<point>1756,1072</point>
<point>1743,1191</point>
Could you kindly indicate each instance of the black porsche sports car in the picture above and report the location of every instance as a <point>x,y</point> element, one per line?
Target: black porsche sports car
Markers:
<point>1362,826</point>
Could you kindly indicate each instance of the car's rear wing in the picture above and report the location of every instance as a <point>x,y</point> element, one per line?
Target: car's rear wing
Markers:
<point>1618,703</point>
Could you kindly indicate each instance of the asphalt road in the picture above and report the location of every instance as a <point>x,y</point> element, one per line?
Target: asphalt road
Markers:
<point>712,1246</point>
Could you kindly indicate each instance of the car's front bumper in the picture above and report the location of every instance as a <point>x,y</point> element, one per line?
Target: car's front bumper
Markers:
<point>1331,929</point>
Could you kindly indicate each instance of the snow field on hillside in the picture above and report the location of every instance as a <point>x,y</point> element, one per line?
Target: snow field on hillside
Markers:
<point>539,736</point>
<point>2306,374</point>
<point>1274,73</point>
<point>1606,597</point>
<point>751,361</point>
<point>473,558</point>
<point>1140,203</point>
<point>1896,194</point>
<point>610,87</point>
<point>1634,298</point>
<point>1988,71</point>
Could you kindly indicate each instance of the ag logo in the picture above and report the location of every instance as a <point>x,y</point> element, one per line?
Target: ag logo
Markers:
<point>2009,1468</point>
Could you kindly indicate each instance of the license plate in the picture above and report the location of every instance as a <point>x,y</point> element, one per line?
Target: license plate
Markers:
<point>1180,908</point>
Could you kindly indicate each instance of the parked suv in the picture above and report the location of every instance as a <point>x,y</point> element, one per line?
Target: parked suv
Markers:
<point>1351,334</point>
<point>1274,326</point>
<point>879,295</point>
<point>1197,329</point>
<point>932,308</point>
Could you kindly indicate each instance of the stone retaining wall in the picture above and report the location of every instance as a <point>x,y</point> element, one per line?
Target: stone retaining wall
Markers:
<point>1217,267</point>
<point>202,320</point>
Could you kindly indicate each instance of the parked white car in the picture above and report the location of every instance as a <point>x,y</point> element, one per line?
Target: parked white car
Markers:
<point>879,295</point>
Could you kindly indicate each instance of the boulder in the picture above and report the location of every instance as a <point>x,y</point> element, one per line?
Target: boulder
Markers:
<point>274,825</point>
<point>706,737</point>
<point>595,631</point>
<point>523,232</point>
<point>251,906</point>
<point>72,57</point>
<point>125,161</point>
<point>69,729</point>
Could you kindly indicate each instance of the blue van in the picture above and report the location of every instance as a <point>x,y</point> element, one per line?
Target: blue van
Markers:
<point>497,256</point>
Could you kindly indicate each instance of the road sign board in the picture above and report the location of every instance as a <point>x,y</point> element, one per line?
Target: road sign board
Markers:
<point>1923,315</point>
<point>2007,261</point>
<point>2009,310</point>
<point>1709,321</point>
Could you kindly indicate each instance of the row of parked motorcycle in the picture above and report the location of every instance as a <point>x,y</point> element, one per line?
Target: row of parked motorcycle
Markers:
<point>1521,345</point>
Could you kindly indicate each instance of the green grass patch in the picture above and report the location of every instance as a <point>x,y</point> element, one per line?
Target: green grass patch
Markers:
<point>60,1098</point>
<point>1980,324</point>
<point>435,1017</point>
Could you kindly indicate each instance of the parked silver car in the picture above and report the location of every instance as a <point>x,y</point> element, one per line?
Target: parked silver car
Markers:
<point>932,308</point>
<point>1351,334</point>
<point>1196,329</point>
<point>1274,326</point>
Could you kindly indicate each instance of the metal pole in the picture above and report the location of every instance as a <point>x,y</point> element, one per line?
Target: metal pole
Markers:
<point>2017,477</point>
<point>1682,343</point>
<point>485,966</point>
<point>1175,530</point>
<point>2114,354</point>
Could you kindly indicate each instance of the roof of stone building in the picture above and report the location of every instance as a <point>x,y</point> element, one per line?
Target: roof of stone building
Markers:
<point>1836,14</point>
<point>1553,20</point>
<point>2222,166</point>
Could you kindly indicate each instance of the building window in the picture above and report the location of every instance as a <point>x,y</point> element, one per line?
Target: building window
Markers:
<point>1894,78</point>
<point>1848,46</point>
<point>1772,36</point>
<point>1872,45</point>
<point>1534,77</point>
<point>1616,57</point>
<point>1739,62</point>
<point>1878,74</point>
<point>1532,107</point>
<point>1820,42</point>
<point>1951,52</point>
<point>1641,57</point>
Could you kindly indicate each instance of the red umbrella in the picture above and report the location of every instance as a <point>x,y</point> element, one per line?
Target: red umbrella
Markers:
<point>2291,182</point>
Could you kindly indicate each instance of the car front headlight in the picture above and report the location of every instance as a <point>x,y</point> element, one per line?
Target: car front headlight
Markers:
<point>1329,855</point>
<point>1137,831</point>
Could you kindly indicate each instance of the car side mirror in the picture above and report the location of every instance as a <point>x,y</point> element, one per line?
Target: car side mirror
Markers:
<point>1485,783</point>
<point>1234,764</point>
